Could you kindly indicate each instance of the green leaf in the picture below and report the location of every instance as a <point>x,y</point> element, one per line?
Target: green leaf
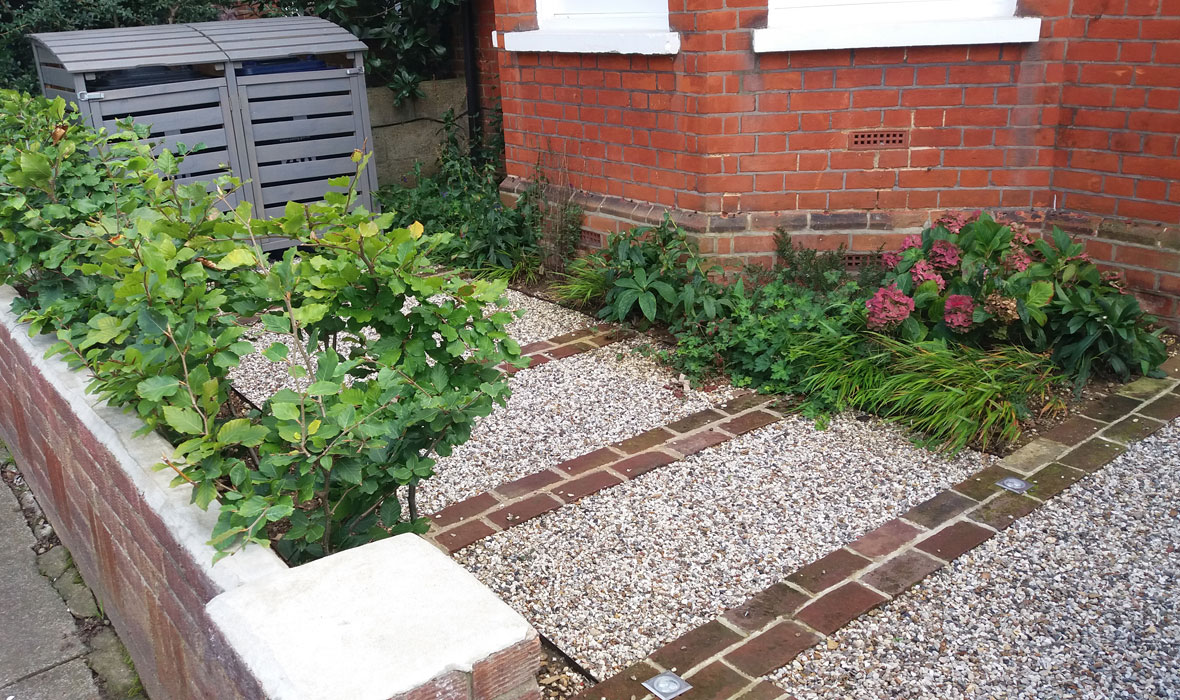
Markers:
<point>237,257</point>
<point>184,420</point>
<point>323,389</point>
<point>1039,294</point>
<point>285,411</point>
<point>36,167</point>
<point>157,388</point>
<point>277,352</point>
<point>204,494</point>
<point>310,313</point>
<point>241,431</point>
<point>647,304</point>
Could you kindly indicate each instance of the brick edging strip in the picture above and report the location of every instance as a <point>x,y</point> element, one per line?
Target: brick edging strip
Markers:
<point>568,345</point>
<point>515,502</point>
<point>727,657</point>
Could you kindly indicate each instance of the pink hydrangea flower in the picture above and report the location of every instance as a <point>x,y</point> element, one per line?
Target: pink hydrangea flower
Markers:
<point>1017,259</point>
<point>954,221</point>
<point>944,255</point>
<point>1020,235</point>
<point>890,260</point>
<point>923,271</point>
<point>913,240</point>
<point>958,312</point>
<point>888,308</point>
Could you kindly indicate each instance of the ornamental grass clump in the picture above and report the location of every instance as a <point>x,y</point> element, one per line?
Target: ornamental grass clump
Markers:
<point>146,283</point>
<point>953,396</point>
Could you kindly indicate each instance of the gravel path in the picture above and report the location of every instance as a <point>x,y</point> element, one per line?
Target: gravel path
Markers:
<point>542,320</point>
<point>561,410</point>
<point>1080,599</point>
<point>618,574</point>
<point>259,378</point>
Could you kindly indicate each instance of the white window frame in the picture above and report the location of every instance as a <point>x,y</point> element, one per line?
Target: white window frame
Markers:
<point>598,26</point>
<point>814,25</point>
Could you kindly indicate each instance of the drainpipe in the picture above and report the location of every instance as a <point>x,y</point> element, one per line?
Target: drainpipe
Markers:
<point>470,71</point>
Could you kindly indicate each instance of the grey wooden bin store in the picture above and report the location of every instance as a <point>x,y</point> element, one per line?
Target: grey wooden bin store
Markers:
<point>280,102</point>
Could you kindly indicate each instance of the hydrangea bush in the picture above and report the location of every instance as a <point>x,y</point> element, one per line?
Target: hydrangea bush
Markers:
<point>980,282</point>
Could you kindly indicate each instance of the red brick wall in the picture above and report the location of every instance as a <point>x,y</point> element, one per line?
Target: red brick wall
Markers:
<point>150,586</point>
<point>1083,121</point>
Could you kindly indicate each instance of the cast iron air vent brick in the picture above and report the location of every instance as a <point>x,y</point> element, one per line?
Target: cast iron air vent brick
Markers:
<point>877,140</point>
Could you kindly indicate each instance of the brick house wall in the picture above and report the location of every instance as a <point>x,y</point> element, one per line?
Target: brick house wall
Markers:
<point>1078,129</point>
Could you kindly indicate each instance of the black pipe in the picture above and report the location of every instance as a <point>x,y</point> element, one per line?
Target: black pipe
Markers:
<point>474,112</point>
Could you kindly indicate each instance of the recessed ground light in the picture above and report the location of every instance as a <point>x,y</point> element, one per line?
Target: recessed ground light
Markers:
<point>1014,484</point>
<point>667,685</point>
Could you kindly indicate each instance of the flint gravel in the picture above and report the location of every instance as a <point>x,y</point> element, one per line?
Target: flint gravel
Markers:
<point>542,320</point>
<point>1080,599</point>
<point>258,378</point>
<point>561,410</point>
<point>618,574</point>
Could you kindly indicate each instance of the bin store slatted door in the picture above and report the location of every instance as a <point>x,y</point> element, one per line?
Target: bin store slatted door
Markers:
<point>170,77</point>
<point>300,121</point>
<point>281,102</point>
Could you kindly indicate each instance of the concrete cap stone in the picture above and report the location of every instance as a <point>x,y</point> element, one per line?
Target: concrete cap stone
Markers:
<point>365,624</point>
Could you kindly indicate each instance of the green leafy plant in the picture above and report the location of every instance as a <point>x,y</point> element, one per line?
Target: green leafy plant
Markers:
<point>982,283</point>
<point>585,281</point>
<point>409,40</point>
<point>19,18</point>
<point>394,361</point>
<point>751,342</point>
<point>655,273</point>
<point>462,200</point>
<point>953,396</point>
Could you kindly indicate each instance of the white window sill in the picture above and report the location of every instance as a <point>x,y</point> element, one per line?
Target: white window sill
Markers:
<point>638,42</point>
<point>1008,30</point>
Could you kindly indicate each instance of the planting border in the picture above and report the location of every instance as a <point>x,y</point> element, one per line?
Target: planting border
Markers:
<point>725,658</point>
<point>248,627</point>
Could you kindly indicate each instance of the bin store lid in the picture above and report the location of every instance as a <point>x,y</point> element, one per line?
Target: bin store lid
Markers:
<point>199,42</point>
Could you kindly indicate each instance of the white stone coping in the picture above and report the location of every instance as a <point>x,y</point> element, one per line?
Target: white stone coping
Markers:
<point>366,624</point>
<point>137,457</point>
<point>593,41</point>
<point>1004,30</point>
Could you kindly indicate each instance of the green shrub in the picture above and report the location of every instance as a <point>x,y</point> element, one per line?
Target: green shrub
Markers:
<point>19,18</point>
<point>170,274</point>
<point>655,274</point>
<point>463,200</point>
<point>981,283</point>
<point>751,342</point>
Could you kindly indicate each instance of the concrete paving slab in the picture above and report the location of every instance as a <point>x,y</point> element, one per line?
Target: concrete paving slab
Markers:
<point>69,681</point>
<point>36,630</point>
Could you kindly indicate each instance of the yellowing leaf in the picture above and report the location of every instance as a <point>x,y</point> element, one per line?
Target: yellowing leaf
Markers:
<point>416,230</point>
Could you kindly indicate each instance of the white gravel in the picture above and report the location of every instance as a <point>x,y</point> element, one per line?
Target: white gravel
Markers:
<point>561,410</point>
<point>1080,599</point>
<point>542,320</point>
<point>258,378</point>
<point>615,576</point>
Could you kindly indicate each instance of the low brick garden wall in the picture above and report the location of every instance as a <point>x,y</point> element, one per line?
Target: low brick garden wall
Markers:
<point>392,619</point>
